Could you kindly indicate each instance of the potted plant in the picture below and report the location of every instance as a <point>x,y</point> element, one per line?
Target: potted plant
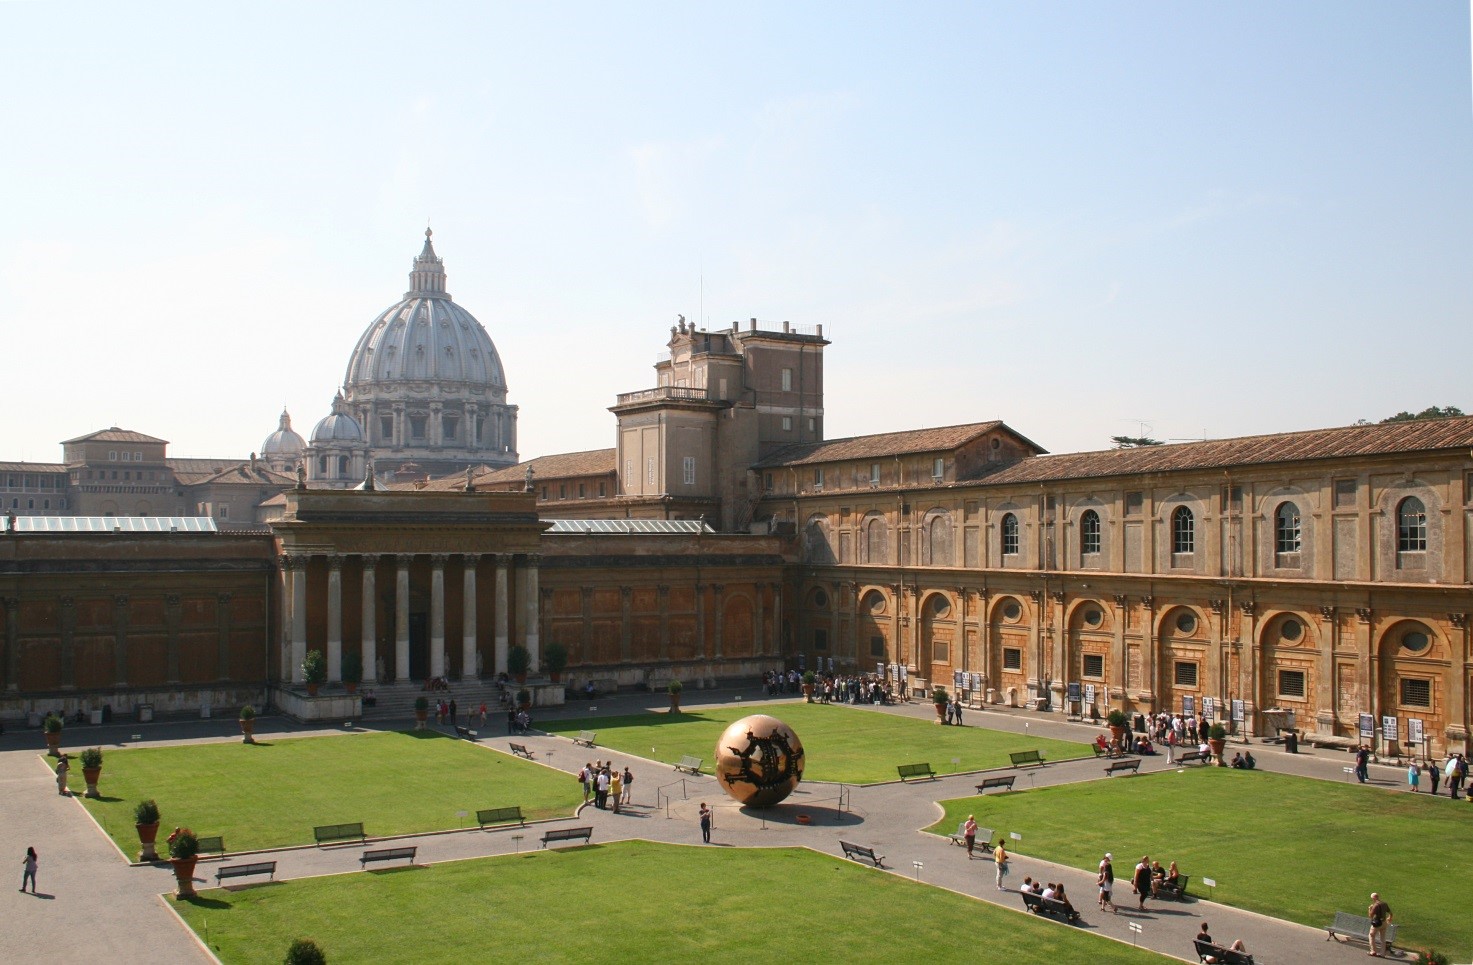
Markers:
<point>352,672</point>
<point>146,820</point>
<point>92,768</point>
<point>673,689</point>
<point>248,724</point>
<point>1216,738</point>
<point>183,854</point>
<point>555,661</point>
<point>940,699</point>
<point>421,712</point>
<point>52,727</point>
<point>518,662</point>
<point>809,678</point>
<point>1119,723</point>
<point>314,671</point>
<point>524,699</point>
<point>304,951</point>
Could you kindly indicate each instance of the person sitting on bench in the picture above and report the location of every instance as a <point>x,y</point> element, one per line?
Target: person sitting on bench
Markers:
<point>1172,881</point>
<point>1103,743</point>
<point>1063,899</point>
<point>1158,875</point>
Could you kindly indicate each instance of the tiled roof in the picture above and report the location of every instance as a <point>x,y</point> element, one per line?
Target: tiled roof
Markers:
<point>32,467</point>
<point>245,475</point>
<point>593,462</point>
<point>191,471</point>
<point>114,434</point>
<point>943,439</point>
<point>1346,442</point>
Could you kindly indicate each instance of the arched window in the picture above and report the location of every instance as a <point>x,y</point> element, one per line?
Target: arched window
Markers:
<point>875,543</point>
<point>1411,526</point>
<point>342,466</point>
<point>322,465</point>
<point>1089,532</point>
<point>1183,531</point>
<point>1009,535</point>
<point>1286,529</point>
<point>940,533</point>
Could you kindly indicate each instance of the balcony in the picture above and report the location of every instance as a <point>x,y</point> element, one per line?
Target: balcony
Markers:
<point>663,393</point>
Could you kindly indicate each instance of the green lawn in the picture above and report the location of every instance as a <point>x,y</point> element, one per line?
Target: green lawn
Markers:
<point>272,793</point>
<point>842,744</point>
<point>632,901</point>
<point>1284,846</point>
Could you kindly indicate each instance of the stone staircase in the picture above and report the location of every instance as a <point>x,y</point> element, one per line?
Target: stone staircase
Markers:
<point>396,700</point>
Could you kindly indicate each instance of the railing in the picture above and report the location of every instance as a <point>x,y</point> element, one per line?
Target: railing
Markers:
<point>663,797</point>
<point>662,392</point>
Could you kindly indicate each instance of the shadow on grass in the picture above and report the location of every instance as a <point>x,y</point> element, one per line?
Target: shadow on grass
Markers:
<point>424,734</point>
<point>214,904</point>
<point>385,872</point>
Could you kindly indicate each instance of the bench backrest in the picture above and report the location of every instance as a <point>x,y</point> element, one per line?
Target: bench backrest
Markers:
<point>493,815</point>
<point>1032,900</point>
<point>907,770</point>
<point>587,735</point>
<point>325,831</point>
<point>857,849</point>
<point>566,833</point>
<point>215,845</point>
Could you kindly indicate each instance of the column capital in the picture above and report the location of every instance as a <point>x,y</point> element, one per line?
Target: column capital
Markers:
<point>1216,605</point>
<point>171,600</point>
<point>293,561</point>
<point>12,603</point>
<point>1459,620</point>
<point>1364,612</point>
<point>1248,607</point>
<point>438,560</point>
<point>545,592</point>
<point>334,563</point>
<point>663,589</point>
<point>1327,613</point>
<point>1121,600</point>
<point>66,602</point>
<point>502,560</point>
<point>626,592</point>
<point>120,601</point>
<point>1058,596</point>
<point>223,598</point>
<point>720,588</point>
<point>533,559</point>
<point>1149,602</point>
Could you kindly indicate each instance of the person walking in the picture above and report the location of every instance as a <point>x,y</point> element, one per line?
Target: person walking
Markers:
<point>1106,881</point>
<point>1363,764</point>
<point>628,785</point>
<point>1142,880</point>
<point>1457,773</point>
<point>1380,915</point>
<point>1000,857</point>
<point>969,832</point>
<point>1414,776</point>
<point>29,874</point>
<point>705,823</point>
<point>62,769</point>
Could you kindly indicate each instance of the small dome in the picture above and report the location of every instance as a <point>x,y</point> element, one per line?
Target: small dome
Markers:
<point>339,427</point>
<point>284,441</point>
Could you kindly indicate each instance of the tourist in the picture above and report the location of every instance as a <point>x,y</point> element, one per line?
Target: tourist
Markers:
<point>62,768</point>
<point>705,823</point>
<point>956,712</point>
<point>628,785</point>
<point>1000,857</point>
<point>1238,762</point>
<point>1414,776</point>
<point>1062,898</point>
<point>1204,936</point>
<point>1249,761</point>
<point>1106,881</point>
<point>453,709</point>
<point>1457,773</point>
<point>604,782</point>
<point>1158,875</point>
<point>1049,891</point>
<point>1141,880</point>
<point>29,872</point>
<point>616,788</point>
<point>1380,915</point>
<point>969,833</point>
<point>1362,763</point>
<point>483,713</point>
<point>1103,744</point>
<point>1434,774</point>
<point>585,778</point>
<point>1172,881</point>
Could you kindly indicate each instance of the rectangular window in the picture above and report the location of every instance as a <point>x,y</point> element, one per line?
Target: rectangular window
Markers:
<point>1186,673</point>
<point>562,491</point>
<point>1291,684</point>
<point>767,482</point>
<point>787,423</point>
<point>876,646</point>
<point>63,503</point>
<point>112,455</point>
<point>448,425</point>
<point>649,470</point>
<point>1345,494</point>
<point>417,426</point>
<point>1415,692</point>
<point>1012,658</point>
<point>582,491</point>
<point>818,478</point>
<point>820,639</point>
<point>938,469</point>
<point>1094,666</point>
<point>940,652</point>
<point>689,470</point>
<point>386,428</point>
<point>1134,503</point>
<point>602,489</point>
<point>543,495</point>
<point>224,512</point>
<point>137,457</point>
<point>874,474</point>
<point>812,424</point>
<point>127,474</point>
<point>787,380</point>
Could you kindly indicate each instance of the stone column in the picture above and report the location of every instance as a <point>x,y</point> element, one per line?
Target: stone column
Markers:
<point>171,631</point>
<point>297,576</point>
<point>533,630</point>
<point>1059,671</point>
<point>700,621</point>
<point>585,630</point>
<point>1326,696</point>
<point>1118,679</point>
<point>664,594</point>
<point>120,640</point>
<point>1457,710</point>
<point>68,651</point>
<point>468,618</point>
<point>368,639</point>
<point>759,619</point>
<point>717,589</point>
<point>1149,656</point>
<point>437,434</point>
<point>502,643</point>
<point>626,597</point>
<point>401,618</point>
<point>334,618</point>
<point>1251,650</point>
<point>837,589</point>
<point>400,425</point>
<point>222,636</point>
<point>777,619</point>
<point>12,644</point>
<point>437,614</point>
<point>472,438</point>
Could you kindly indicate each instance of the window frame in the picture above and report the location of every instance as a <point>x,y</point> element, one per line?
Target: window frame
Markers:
<point>1012,659</point>
<point>1288,529</point>
<point>1401,692</point>
<point>1179,678</point>
<point>1085,666</point>
<point>1411,526</point>
<point>1009,532</point>
<point>1183,531</point>
<point>1289,673</point>
<point>1090,539</point>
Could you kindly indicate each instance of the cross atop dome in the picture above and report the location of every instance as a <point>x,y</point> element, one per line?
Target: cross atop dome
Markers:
<point>427,279</point>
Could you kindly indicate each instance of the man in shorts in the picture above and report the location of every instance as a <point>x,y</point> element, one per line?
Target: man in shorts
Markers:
<point>1107,883</point>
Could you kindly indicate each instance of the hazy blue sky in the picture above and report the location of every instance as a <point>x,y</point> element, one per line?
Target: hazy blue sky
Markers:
<point>1078,217</point>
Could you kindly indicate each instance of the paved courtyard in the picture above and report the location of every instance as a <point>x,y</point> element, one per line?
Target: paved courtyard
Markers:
<point>94,906</point>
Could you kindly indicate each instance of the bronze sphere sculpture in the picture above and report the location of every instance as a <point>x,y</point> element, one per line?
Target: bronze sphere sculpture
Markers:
<point>759,761</point>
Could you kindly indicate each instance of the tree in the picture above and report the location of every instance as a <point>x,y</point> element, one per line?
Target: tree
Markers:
<point>1431,412</point>
<point>1133,442</point>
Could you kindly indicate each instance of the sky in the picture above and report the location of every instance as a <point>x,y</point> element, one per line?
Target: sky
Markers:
<point>1181,220</point>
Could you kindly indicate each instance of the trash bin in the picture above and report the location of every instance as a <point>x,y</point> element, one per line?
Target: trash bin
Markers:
<point>1140,723</point>
<point>1291,742</point>
<point>107,713</point>
<point>143,713</point>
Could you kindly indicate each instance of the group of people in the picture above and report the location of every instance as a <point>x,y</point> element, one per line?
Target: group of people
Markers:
<point>606,785</point>
<point>1454,769</point>
<point>1141,744</point>
<point>1148,880</point>
<point>1244,761</point>
<point>1204,935</point>
<point>829,688</point>
<point>1050,891</point>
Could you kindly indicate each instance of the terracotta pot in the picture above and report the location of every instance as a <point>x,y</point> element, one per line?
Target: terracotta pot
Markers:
<point>91,774</point>
<point>556,676</point>
<point>674,703</point>
<point>184,876</point>
<point>808,692</point>
<point>1117,737</point>
<point>350,687</point>
<point>1216,748</point>
<point>520,678</point>
<point>941,712</point>
<point>147,835</point>
<point>420,716</point>
<point>248,728</point>
<point>312,690</point>
<point>53,743</point>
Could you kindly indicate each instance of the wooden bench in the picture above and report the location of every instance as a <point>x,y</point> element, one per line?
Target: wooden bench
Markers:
<point>1027,758</point>
<point>520,750</point>
<point>688,763</point>
<point>983,842</point>
<point>1178,892</point>
<point>387,854</point>
<point>500,816</point>
<point>214,846</point>
<point>1358,927</point>
<point>585,737</point>
<point>859,853</point>
<point>908,771</point>
<point>1006,783</point>
<point>1196,756</point>
<point>1208,952</point>
<point>338,832</point>
<point>567,834</point>
<point>1099,751</point>
<point>1133,765</point>
<point>465,732</point>
<point>1039,905</point>
<point>242,870</point>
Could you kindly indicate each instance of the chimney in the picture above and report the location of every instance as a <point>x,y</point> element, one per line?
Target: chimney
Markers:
<point>820,331</point>
<point>785,328</point>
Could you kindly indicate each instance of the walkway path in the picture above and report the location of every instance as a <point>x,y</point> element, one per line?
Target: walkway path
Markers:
<point>93,906</point>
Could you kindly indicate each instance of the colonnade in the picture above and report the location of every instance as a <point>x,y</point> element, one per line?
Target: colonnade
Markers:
<point>295,603</point>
